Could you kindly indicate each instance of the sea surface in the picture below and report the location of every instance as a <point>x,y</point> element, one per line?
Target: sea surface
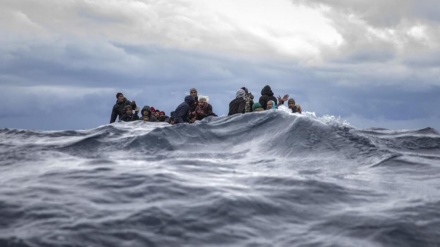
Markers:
<point>260,179</point>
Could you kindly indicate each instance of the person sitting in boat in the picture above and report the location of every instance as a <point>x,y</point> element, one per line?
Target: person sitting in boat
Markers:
<point>147,115</point>
<point>266,96</point>
<point>238,105</point>
<point>203,109</point>
<point>249,100</point>
<point>181,114</point>
<point>271,105</point>
<point>129,116</point>
<point>118,109</point>
<point>193,93</point>
<point>163,117</point>
<point>296,108</point>
<point>257,107</point>
<point>157,114</point>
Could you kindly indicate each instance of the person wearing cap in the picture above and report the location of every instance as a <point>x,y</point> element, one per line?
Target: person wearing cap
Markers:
<point>181,114</point>
<point>238,105</point>
<point>129,116</point>
<point>257,107</point>
<point>118,109</point>
<point>293,106</point>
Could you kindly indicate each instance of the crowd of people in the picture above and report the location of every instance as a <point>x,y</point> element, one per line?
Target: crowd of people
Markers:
<point>196,108</point>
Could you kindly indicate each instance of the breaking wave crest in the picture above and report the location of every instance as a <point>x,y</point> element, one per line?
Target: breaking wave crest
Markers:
<point>261,179</point>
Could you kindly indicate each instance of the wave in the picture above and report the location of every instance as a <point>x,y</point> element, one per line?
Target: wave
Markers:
<point>260,179</point>
<point>274,133</point>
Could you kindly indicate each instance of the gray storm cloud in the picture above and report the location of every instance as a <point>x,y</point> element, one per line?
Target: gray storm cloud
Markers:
<point>62,57</point>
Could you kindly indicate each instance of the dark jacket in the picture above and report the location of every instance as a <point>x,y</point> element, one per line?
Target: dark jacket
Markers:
<point>194,106</point>
<point>238,105</point>
<point>181,113</point>
<point>266,95</point>
<point>119,109</point>
<point>171,119</point>
<point>128,118</point>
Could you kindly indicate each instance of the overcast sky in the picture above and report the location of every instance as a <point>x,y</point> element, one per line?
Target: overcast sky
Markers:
<point>372,63</point>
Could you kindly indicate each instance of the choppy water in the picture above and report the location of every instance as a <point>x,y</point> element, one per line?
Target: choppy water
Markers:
<point>260,179</point>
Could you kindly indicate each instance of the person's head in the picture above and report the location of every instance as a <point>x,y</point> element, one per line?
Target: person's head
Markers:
<point>120,97</point>
<point>291,103</point>
<point>157,113</point>
<point>145,118</point>
<point>266,91</point>
<point>146,111</point>
<point>202,102</point>
<point>240,94</point>
<point>193,92</point>
<point>162,113</point>
<point>257,107</point>
<point>270,105</point>
<point>245,90</point>
<point>128,110</point>
<point>190,100</point>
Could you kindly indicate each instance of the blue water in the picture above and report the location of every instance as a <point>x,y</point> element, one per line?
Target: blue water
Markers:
<point>260,179</point>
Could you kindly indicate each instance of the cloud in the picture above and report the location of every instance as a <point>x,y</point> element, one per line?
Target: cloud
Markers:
<point>182,24</point>
<point>383,13</point>
<point>310,32</point>
<point>62,62</point>
<point>401,31</point>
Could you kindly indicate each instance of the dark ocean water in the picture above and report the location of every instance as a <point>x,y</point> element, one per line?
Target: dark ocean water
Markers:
<point>260,179</point>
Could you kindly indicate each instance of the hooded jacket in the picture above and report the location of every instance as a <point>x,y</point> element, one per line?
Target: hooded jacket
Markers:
<point>182,111</point>
<point>119,109</point>
<point>266,95</point>
<point>238,105</point>
<point>150,115</point>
